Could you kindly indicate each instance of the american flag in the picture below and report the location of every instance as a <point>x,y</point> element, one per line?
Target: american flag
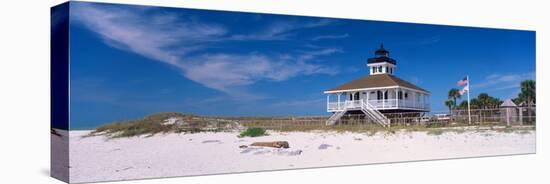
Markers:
<point>464,90</point>
<point>462,82</point>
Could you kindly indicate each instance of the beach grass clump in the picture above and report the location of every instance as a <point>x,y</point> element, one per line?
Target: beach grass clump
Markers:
<point>149,125</point>
<point>253,132</point>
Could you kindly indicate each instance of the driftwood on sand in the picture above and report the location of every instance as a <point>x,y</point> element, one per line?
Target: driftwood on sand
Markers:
<point>274,144</point>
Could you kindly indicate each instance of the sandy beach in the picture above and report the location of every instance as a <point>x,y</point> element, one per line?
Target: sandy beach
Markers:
<point>100,159</point>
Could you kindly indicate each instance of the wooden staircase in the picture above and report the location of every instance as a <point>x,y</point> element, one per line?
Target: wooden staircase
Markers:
<point>369,111</point>
<point>335,117</point>
<point>374,114</point>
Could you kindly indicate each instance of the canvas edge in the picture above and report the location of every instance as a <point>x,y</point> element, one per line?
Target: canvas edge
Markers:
<point>59,92</point>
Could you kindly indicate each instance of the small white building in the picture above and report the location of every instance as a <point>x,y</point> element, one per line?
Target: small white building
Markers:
<point>377,94</point>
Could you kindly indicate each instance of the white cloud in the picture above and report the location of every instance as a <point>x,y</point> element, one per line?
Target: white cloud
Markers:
<point>182,43</point>
<point>502,81</point>
<point>226,72</point>
<point>323,37</point>
<point>299,103</point>
<point>279,30</point>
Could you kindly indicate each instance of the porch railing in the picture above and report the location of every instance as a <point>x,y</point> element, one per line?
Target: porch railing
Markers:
<point>378,104</point>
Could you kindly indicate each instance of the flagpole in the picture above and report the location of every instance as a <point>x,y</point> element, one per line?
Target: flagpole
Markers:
<point>469,115</point>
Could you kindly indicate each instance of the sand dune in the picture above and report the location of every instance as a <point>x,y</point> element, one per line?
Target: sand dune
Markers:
<point>100,159</point>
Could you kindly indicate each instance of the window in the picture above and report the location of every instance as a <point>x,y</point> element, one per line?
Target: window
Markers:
<point>391,70</point>
<point>379,95</point>
<point>387,69</point>
<point>406,95</point>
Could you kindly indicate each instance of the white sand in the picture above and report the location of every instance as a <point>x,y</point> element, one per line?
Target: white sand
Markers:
<point>98,159</point>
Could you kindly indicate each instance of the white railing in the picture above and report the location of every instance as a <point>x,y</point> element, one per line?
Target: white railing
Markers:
<point>378,104</point>
<point>335,117</point>
<point>384,104</point>
<point>374,114</point>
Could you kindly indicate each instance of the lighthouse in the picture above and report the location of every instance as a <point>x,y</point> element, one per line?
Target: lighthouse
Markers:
<point>378,94</point>
<point>381,63</point>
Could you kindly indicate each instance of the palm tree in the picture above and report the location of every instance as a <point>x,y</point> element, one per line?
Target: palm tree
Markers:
<point>454,94</point>
<point>449,103</point>
<point>463,105</point>
<point>475,103</point>
<point>528,95</point>
<point>485,101</point>
<point>495,102</point>
<point>528,91</point>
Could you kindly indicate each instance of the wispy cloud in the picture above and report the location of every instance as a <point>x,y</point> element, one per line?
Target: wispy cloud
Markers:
<point>182,43</point>
<point>300,103</point>
<point>324,37</point>
<point>281,30</point>
<point>495,82</point>
<point>147,36</point>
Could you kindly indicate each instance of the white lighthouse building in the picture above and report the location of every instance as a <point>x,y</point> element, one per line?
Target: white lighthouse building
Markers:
<point>377,94</point>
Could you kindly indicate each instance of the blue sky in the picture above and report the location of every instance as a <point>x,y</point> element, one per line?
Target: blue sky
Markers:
<point>130,61</point>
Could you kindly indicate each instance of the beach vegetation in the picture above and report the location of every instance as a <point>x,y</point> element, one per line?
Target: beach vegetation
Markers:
<point>149,125</point>
<point>253,132</point>
<point>171,122</point>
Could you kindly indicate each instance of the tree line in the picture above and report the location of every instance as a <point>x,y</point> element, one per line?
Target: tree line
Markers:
<point>526,96</point>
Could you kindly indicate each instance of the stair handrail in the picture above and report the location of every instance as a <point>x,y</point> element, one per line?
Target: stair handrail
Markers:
<point>380,118</point>
<point>337,115</point>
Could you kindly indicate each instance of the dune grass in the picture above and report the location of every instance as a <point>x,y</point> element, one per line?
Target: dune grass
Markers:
<point>149,125</point>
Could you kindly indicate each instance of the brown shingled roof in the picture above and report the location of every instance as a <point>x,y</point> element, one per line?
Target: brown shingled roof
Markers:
<point>374,81</point>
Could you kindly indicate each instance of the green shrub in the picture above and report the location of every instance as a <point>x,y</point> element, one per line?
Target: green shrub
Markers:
<point>253,132</point>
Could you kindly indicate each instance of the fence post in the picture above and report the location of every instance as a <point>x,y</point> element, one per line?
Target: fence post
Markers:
<point>520,115</point>
<point>507,116</point>
<point>480,117</point>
